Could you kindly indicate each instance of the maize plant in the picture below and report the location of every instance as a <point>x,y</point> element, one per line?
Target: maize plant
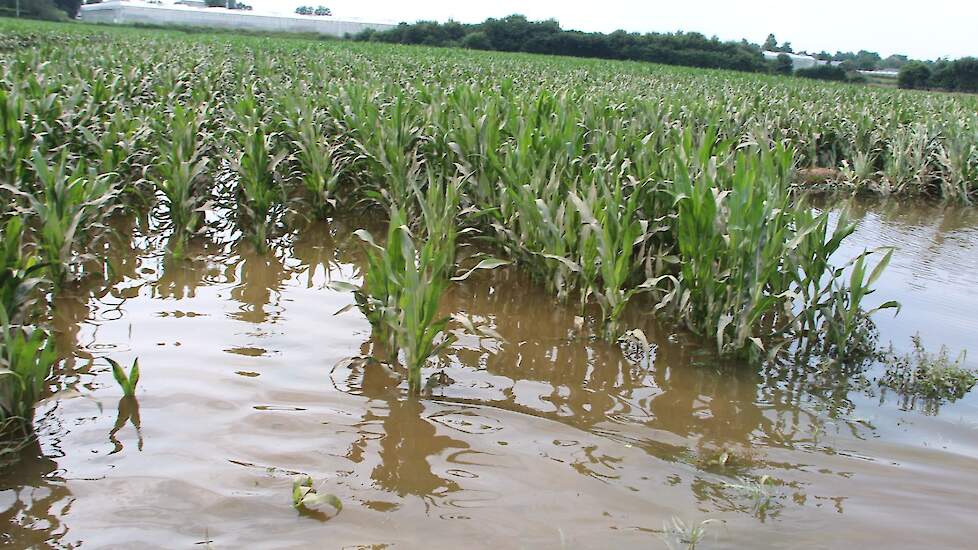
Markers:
<point>66,210</point>
<point>26,358</point>
<point>180,175</point>
<point>617,186</point>
<point>256,160</point>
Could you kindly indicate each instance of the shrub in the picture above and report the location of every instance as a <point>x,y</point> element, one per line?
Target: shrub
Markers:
<point>823,72</point>
<point>914,76</point>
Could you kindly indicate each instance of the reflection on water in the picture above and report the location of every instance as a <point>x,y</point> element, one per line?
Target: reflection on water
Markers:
<point>545,436</point>
<point>259,290</point>
<point>933,273</point>
<point>128,413</point>
<point>33,501</point>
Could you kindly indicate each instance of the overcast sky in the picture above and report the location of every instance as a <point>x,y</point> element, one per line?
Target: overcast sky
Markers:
<point>919,28</point>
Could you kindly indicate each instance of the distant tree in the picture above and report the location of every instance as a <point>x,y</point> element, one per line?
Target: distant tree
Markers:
<point>70,7</point>
<point>476,41</point>
<point>914,76</point>
<point>957,76</point>
<point>35,9</point>
<point>771,45</point>
<point>894,62</point>
<point>867,61</point>
<point>966,70</point>
<point>783,64</point>
<point>518,34</point>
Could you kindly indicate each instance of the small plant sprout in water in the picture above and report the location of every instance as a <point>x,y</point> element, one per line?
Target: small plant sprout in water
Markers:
<point>129,381</point>
<point>930,376</point>
<point>761,493</point>
<point>677,534</point>
<point>307,499</point>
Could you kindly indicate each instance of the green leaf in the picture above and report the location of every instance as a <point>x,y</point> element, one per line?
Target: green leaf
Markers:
<point>366,237</point>
<point>342,286</point>
<point>315,501</point>
<point>118,373</point>
<point>133,377</point>
<point>488,263</point>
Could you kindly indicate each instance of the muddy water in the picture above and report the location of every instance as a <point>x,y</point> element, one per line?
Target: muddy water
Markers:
<point>544,439</point>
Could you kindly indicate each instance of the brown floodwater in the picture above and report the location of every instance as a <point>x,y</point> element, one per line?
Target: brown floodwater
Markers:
<point>542,439</point>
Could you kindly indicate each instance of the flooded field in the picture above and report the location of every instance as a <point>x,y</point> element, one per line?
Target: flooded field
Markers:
<point>538,439</point>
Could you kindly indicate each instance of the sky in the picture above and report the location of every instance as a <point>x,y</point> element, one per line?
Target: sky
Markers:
<point>923,29</point>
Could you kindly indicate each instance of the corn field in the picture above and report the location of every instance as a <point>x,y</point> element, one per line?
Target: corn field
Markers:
<point>616,185</point>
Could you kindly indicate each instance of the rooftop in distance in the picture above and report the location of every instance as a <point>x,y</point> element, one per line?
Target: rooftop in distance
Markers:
<point>129,12</point>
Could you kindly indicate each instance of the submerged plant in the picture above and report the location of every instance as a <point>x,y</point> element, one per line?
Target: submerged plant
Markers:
<point>13,440</point>
<point>688,535</point>
<point>406,278</point>
<point>846,325</point>
<point>760,493</point>
<point>931,376</point>
<point>614,230</point>
<point>732,232</point>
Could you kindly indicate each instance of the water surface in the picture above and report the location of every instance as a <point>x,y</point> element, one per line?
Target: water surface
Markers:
<point>545,438</point>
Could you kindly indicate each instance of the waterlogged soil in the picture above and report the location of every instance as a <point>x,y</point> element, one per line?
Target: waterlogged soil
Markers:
<point>543,438</point>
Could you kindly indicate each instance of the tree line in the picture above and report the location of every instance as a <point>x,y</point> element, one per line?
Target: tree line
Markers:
<point>960,75</point>
<point>41,9</point>
<point>517,34</point>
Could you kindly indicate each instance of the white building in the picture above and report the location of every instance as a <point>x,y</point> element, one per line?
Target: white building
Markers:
<point>126,12</point>
<point>799,61</point>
